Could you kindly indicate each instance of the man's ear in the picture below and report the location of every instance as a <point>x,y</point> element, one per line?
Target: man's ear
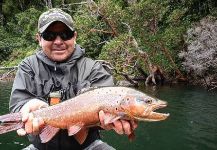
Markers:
<point>75,36</point>
<point>38,38</point>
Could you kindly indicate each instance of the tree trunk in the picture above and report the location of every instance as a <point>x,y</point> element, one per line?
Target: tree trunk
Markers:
<point>169,57</point>
<point>48,3</point>
<point>63,2</point>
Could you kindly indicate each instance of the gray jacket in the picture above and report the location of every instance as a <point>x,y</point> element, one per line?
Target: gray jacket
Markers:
<point>37,76</point>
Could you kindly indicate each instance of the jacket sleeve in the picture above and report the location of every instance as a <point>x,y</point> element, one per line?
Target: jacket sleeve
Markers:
<point>92,74</point>
<point>99,76</point>
<point>23,87</point>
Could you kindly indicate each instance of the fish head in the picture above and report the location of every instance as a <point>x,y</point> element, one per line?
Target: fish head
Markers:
<point>142,107</point>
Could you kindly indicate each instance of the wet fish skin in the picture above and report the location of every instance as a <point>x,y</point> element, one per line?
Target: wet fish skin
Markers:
<point>82,111</point>
<point>119,101</point>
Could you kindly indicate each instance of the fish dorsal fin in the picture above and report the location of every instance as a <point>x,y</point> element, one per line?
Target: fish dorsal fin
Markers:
<point>47,133</point>
<point>110,118</point>
<point>72,130</point>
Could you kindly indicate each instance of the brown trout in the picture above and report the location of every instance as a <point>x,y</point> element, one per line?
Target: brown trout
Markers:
<point>82,111</point>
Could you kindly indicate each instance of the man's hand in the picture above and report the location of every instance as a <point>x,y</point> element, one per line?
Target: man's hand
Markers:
<point>120,126</point>
<point>31,125</point>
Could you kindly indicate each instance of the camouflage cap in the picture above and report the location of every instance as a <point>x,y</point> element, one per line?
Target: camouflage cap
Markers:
<point>52,15</point>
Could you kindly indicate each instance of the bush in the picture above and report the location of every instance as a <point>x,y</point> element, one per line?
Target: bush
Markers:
<point>200,59</point>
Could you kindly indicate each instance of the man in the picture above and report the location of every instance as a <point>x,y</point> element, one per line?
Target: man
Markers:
<point>59,67</point>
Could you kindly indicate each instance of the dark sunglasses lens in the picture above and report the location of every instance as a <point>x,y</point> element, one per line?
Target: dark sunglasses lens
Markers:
<point>48,36</point>
<point>67,35</point>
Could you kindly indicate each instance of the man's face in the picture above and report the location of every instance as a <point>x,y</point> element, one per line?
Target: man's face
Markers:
<point>58,49</point>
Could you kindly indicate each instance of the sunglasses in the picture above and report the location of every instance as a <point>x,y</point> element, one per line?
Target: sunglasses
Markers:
<point>50,36</point>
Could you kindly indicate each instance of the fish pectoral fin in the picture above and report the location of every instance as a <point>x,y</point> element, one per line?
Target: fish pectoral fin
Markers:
<point>109,118</point>
<point>47,133</point>
<point>81,135</point>
<point>72,130</point>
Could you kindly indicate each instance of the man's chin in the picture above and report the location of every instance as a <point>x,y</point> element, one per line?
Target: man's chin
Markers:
<point>59,58</point>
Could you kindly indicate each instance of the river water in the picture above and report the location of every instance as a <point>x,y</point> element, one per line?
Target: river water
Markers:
<point>192,124</point>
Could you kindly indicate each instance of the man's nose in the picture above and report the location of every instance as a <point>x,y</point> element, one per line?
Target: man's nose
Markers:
<point>58,40</point>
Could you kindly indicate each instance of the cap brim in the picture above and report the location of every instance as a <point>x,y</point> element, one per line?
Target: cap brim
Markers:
<point>42,29</point>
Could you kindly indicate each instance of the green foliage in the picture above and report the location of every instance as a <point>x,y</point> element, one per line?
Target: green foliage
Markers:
<point>122,53</point>
<point>107,28</point>
<point>87,37</point>
<point>5,45</point>
<point>24,26</point>
<point>18,55</point>
<point>19,34</point>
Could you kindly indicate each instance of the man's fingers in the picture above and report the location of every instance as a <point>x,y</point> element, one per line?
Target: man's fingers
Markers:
<point>35,126</point>
<point>126,127</point>
<point>40,122</point>
<point>21,132</point>
<point>134,124</point>
<point>102,116</point>
<point>118,127</point>
<point>25,113</point>
<point>31,124</point>
<point>28,124</point>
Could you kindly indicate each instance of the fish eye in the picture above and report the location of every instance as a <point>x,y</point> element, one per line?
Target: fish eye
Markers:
<point>148,101</point>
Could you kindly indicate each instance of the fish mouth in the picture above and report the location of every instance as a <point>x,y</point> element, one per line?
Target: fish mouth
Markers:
<point>157,116</point>
<point>152,115</point>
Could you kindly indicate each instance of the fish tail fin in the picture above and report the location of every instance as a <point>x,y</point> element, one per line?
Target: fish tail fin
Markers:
<point>10,122</point>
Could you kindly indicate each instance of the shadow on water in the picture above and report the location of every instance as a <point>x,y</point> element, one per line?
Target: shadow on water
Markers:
<point>191,125</point>
<point>8,141</point>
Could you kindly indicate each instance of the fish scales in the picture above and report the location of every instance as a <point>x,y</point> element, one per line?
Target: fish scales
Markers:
<point>82,108</point>
<point>82,111</point>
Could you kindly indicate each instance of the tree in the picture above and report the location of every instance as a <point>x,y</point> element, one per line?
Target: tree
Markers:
<point>200,58</point>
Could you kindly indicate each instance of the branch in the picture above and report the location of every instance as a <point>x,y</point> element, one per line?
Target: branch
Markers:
<point>102,31</point>
<point>111,68</point>
<point>167,54</point>
<point>96,10</point>
<point>5,75</point>
<point>8,68</point>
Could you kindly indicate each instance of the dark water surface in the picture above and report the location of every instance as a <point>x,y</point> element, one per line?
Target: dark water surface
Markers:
<point>192,124</point>
<point>9,141</point>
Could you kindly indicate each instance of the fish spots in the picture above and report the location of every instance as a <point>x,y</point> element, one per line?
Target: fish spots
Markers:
<point>108,91</point>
